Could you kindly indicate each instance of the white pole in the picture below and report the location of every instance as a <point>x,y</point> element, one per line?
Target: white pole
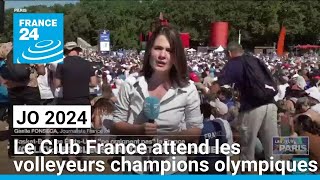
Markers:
<point>239,39</point>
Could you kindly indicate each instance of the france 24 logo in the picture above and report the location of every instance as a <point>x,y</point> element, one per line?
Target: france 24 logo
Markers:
<point>37,38</point>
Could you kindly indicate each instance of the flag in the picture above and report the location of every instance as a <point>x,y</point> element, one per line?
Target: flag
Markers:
<point>280,46</point>
<point>141,37</point>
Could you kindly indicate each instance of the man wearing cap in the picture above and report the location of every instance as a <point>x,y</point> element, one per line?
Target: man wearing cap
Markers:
<point>75,76</point>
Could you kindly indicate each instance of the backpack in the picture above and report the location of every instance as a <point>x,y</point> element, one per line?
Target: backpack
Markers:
<point>259,84</point>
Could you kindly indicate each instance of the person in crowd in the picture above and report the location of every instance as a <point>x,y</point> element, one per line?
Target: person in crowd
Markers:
<point>212,70</point>
<point>164,77</point>
<point>256,118</point>
<point>4,99</point>
<point>106,93</point>
<point>133,74</point>
<point>96,91</point>
<point>283,85</point>
<point>214,128</point>
<point>46,86</point>
<point>314,98</point>
<point>102,108</point>
<point>22,85</point>
<point>57,91</point>
<point>305,126</point>
<point>75,76</point>
<point>207,79</point>
<point>303,107</point>
<point>226,95</point>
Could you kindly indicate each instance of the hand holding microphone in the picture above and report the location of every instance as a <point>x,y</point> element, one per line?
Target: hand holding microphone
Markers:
<point>151,110</point>
<point>150,129</point>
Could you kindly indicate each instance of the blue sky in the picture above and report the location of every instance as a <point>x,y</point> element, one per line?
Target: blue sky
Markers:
<point>25,3</point>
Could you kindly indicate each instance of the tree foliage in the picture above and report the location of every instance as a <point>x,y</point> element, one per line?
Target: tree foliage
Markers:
<point>259,21</point>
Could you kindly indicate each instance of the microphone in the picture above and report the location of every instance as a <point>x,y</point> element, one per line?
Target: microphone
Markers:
<point>151,108</point>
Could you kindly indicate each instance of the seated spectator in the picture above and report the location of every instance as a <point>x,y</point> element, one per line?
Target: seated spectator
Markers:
<point>282,88</point>
<point>215,128</point>
<point>303,108</point>
<point>106,93</point>
<point>226,96</point>
<point>305,126</point>
<point>314,98</point>
<point>102,114</point>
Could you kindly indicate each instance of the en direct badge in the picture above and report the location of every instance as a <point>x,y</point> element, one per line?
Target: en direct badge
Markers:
<point>37,38</point>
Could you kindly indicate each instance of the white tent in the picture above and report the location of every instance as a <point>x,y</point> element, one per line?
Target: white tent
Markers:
<point>219,49</point>
<point>191,50</point>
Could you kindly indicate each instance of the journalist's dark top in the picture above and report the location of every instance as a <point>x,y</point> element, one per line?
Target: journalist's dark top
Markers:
<point>233,73</point>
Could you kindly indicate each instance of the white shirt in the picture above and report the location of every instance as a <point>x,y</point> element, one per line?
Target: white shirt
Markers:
<point>126,73</point>
<point>44,87</point>
<point>228,130</point>
<point>316,108</point>
<point>179,109</point>
<point>281,92</point>
<point>109,78</point>
<point>58,92</point>
<point>131,79</point>
<point>115,92</point>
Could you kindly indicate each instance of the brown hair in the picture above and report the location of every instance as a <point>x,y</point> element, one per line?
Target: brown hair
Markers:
<point>178,73</point>
<point>306,124</point>
<point>105,104</point>
<point>107,91</point>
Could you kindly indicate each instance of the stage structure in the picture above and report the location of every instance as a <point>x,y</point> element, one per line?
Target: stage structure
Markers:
<point>219,34</point>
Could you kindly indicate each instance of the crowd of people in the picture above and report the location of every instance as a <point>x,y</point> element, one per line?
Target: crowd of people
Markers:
<point>234,95</point>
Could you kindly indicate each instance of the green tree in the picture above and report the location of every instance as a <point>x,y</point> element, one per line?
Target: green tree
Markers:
<point>259,21</point>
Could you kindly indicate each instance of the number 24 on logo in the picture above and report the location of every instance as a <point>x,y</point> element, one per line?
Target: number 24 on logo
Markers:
<point>27,35</point>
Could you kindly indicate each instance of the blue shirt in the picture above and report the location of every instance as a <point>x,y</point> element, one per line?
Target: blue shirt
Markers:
<point>233,73</point>
<point>212,130</point>
<point>230,102</point>
<point>211,71</point>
